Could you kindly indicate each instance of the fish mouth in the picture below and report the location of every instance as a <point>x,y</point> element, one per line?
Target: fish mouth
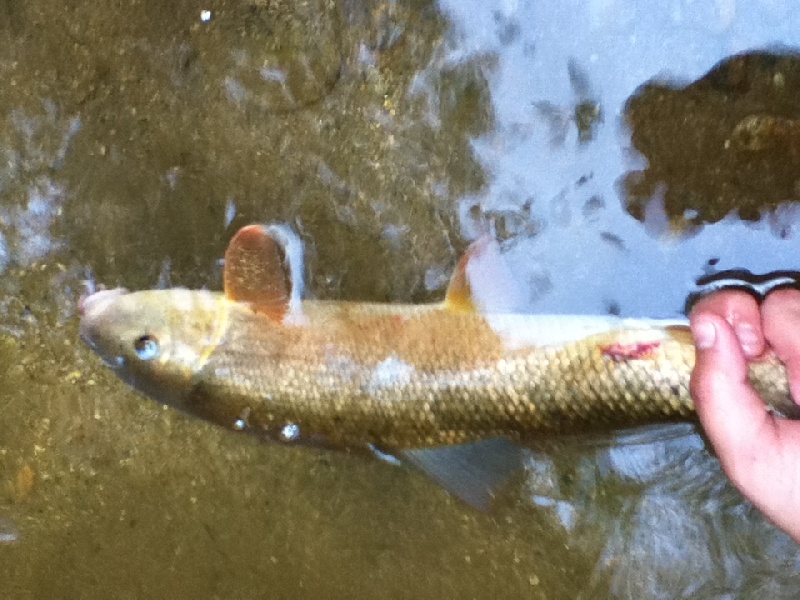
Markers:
<point>113,361</point>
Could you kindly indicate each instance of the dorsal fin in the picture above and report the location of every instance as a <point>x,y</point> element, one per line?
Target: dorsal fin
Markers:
<point>260,269</point>
<point>483,282</point>
<point>459,291</point>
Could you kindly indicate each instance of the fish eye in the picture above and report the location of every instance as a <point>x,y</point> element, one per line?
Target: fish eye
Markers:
<point>146,347</point>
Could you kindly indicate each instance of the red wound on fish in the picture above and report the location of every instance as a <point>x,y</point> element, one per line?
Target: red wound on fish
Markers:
<point>256,272</point>
<point>634,351</point>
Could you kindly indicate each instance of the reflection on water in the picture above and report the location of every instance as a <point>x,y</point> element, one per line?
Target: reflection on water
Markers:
<point>658,514</point>
<point>620,150</point>
<point>35,146</point>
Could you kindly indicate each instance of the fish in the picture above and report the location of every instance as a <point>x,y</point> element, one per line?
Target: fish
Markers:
<point>456,387</point>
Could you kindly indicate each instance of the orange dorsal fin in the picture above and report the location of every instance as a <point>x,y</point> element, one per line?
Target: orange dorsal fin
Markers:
<point>483,282</point>
<point>459,291</point>
<point>259,270</point>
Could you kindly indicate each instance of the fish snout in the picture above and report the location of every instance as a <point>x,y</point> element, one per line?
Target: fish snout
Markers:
<point>93,328</point>
<point>97,301</point>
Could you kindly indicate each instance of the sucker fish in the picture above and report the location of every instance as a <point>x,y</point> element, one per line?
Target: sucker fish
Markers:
<point>455,387</point>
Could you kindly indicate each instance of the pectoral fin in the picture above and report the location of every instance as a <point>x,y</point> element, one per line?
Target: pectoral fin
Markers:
<point>473,472</point>
<point>262,270</point>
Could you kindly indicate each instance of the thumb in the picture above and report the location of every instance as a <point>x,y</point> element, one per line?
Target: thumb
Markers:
<point>731,411</point>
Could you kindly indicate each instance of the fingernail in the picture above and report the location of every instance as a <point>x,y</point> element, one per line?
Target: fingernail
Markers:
<point>704,334</point>
<point>747,338</point>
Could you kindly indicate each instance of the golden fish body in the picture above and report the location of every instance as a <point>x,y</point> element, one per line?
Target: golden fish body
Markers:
<point>451,387</point>
<point>397,377</point>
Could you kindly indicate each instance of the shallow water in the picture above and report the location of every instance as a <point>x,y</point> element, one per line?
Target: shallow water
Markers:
<point>135,137</point>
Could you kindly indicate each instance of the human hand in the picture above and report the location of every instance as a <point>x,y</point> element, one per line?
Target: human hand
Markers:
<point>759,452</point>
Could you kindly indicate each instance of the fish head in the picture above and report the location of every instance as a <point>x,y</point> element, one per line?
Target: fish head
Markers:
<point>154,340</point>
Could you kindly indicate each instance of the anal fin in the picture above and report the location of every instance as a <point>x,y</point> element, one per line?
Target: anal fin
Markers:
<point>473,472</point>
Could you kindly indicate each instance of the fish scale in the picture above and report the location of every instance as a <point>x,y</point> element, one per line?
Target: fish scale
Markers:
<point>351,385</point>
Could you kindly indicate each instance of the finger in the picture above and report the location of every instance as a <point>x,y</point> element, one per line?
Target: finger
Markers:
<point>781,322</point>
<point>741,310</point>
<point>731,411</point>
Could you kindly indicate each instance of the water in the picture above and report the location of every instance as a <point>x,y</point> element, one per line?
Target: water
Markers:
<point>137,137</point>
<point>9,532</point>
